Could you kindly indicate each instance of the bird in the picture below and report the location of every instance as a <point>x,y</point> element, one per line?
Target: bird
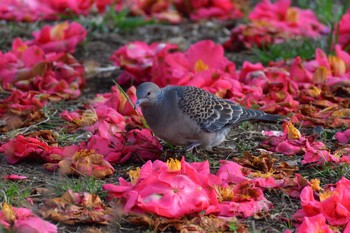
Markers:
<point>191,117</point>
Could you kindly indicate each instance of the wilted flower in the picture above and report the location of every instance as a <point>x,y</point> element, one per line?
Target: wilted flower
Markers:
<point>23,220</point>
<point>86,163</point>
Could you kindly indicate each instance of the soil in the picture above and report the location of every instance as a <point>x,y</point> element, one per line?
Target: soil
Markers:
<point>98,48</point>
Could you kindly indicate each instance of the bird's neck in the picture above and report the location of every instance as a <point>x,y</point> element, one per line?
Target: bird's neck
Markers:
<point>160,94</point>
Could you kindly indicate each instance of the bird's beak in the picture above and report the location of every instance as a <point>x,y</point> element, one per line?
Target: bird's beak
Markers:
<point>138,103</point>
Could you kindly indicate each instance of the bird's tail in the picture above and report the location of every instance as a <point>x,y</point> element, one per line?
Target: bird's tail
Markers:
<point>253,114</point>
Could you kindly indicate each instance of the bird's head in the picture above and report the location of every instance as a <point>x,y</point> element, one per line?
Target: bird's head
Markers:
<point>147,93</point>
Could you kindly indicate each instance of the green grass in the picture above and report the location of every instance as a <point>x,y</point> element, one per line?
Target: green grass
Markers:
<point>14,193</point>
<point>81,184</point>
<point>328,173</point>
<point>114,21</point>
<point>304,48</point>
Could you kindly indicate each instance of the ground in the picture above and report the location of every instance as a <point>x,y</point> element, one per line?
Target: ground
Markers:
<point>98,48</point>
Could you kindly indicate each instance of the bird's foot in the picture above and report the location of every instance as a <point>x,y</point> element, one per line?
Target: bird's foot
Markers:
<point>192,146</point>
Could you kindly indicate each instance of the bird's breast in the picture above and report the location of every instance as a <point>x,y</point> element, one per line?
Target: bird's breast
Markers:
<point>172,126</point>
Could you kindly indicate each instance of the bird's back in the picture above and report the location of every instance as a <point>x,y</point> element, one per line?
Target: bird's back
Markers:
<point>213,113</point>
<point>209,111</point>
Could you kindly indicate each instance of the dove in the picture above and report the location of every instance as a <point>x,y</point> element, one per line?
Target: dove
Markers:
<point>191,117</point>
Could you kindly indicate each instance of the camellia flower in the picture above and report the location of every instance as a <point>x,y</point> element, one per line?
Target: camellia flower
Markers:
<point>316,152</point>
<point>171,189</point>
<point>218,9</point>
<point>23,220</point>
<point>291,19</point>
<point>29,68</point>
<point>242,199</point>
<point>343,31</point>
<point>180,68</point>
<point>27,11</point>
<point>156,9</point>
<point>71,6</point>
<point>343,137</point>
<point>289,143</point>
<point>142,144</point>
<point>316,223</point>
<point>99,120</point>
<point>58,154</point>
<point>137,58</point>
<point>79,119</point>
<point>117,100</point>
<point>275,23</point>
<point>62,37</point>
<point>110,146</point>
<point>74,208</point>
<point>14,177</point>
<point>21,109</point>
<point>21,148</point>
<point>86,162</point>
<point>333,204</point>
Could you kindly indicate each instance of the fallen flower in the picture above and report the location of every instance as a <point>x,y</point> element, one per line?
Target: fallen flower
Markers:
<point>290,142</point>
<point>62,37</point>
<point>333,203</point>
<point>86,163</point>
<point>142,144</point>
<point>199,10</point>
<point>21,109</point>
<point>67,7</point>
<point>343,137</point>
<point>317,152</point>
<point>137,59</point>
<point>173,189</point>
<point>73,208</point>
<point>29,68</point>
<point>26,11</point>
<point>23,220</point>
<point>21,148</point>
<point>14,177</point>
<point>293,186</point>
<point>343,31</point>
<point>315,223</point>
<point>202,59</point>
<point>122,102</point>
<point>241,199</point>
<point>275,23</point>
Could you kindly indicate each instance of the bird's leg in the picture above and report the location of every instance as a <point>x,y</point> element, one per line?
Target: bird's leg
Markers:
<point>192,150</point>
<point>192,146</point>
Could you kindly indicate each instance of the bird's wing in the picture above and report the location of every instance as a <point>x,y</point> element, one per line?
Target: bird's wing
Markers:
<point>210,112</point>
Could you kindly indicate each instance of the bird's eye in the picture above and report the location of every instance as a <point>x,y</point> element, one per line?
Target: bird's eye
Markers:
<point>148,93</point>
